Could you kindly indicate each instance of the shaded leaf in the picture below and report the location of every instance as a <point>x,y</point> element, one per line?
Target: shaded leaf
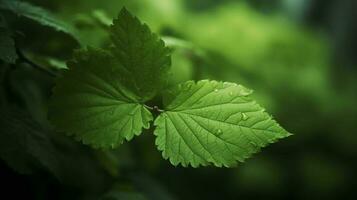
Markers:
<point>38,14</point>
<point>141,53</point>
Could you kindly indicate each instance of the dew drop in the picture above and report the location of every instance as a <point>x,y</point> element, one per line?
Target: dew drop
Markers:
<point>187,86</point>
<point>214,83</point>
<point>215,90</point>
<point>219,132</point>
<point>231,94</point>
<point>132,113</point>
<point>244,116</point>
<point>245,92</point>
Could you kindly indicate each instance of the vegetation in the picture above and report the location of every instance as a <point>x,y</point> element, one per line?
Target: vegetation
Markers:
<point>80,79</point>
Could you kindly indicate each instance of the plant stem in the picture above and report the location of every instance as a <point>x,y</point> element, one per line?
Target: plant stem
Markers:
<point>154,108</point>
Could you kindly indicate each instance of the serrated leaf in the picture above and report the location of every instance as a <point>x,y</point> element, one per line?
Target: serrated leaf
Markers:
<point>212,122</point>
<point>141,53</point>
<point>92,104</point>
<point>38,15</point>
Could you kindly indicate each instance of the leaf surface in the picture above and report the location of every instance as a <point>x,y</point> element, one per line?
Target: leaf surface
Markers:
<point>91,103</point>
<point>211,122</point>
<point>142,55</point>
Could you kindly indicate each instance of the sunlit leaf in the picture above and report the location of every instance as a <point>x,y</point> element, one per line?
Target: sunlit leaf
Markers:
<point>213,122</point>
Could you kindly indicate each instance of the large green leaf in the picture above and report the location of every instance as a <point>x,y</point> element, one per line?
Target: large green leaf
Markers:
<point>91,103</point>
<point>213,122</point>
<point>141,53</point>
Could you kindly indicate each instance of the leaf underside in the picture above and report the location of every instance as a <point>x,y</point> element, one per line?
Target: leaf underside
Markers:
<point>215,123</point>
<point>91,103</point>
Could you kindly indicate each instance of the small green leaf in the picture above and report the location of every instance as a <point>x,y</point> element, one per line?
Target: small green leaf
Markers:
<point>91,103</point>
<point>213,122</point>
<point>142,54</point>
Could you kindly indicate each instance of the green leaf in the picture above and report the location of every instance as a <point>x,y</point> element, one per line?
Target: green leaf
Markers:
<point>212,122</point>
<point>92,104</point>
<point>142,54</point>
<point>38,15</point>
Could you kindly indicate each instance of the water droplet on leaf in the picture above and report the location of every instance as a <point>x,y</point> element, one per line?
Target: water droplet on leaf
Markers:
<point>245,92</point>
<point>187,86</point>
<point>219,132</point>
<point>244,116</point>
<point>215,90</point>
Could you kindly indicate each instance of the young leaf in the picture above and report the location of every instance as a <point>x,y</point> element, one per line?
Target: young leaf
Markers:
<point>141,53</point>
<point>91,103</point>
<point>213,122</point>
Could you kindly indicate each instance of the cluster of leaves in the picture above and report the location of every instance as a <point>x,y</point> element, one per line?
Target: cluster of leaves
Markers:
<point>100,100</point>
<point>230,41</point>
<point>106,96</point>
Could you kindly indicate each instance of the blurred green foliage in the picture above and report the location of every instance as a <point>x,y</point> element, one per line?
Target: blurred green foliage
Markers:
<point>291,67</point>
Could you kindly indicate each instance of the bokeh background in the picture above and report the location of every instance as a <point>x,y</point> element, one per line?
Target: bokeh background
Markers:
<point>299,56</point>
